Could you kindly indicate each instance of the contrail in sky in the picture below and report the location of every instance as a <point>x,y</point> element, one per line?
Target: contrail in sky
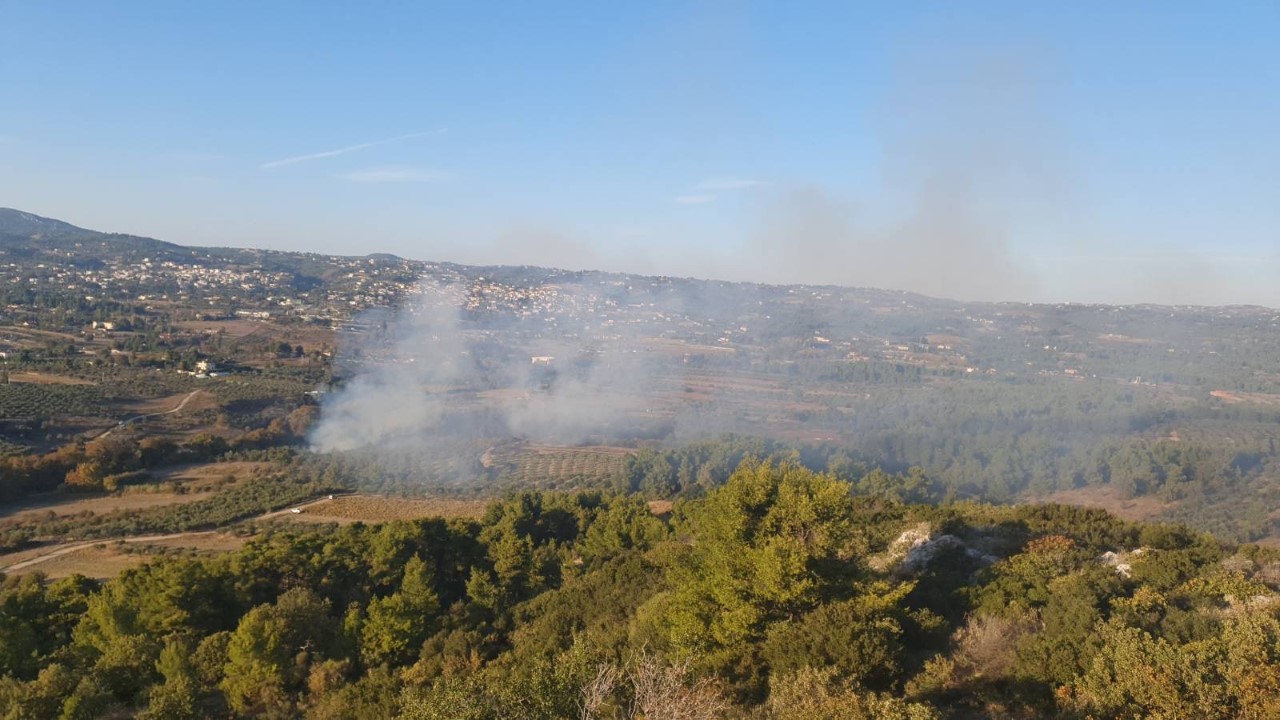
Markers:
<point>345,150</point>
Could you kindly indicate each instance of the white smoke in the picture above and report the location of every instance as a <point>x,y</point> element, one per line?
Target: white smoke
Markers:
<point>429,370</point>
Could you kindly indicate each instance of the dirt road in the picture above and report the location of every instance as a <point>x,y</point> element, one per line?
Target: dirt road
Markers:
<point>54,551</point>
<point>136,418</point>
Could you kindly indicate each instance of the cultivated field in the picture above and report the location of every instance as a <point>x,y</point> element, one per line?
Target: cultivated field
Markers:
<point>549,467</point>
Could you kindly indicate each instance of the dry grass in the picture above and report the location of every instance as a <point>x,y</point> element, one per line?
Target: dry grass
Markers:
<point>1247,398</point>
<point>381,508</point>
<point>37,378</point>
<point>99,562</point>
<point>308,337</point>
<point>18,556</point>
<point>207,475</point>
<point>200,400</point>
<point>231,329</point>
<point>64,505</point>
<point>31,337</point>
<point>107,559</point>
<point>660,507</point>
<point>1112,500</point>
<point>197,479</point>
<point>671,346</point>
<point>204,542</point>
<point>736,383</point>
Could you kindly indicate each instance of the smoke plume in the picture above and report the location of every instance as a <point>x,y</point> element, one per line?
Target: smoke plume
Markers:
<point>484,359</point>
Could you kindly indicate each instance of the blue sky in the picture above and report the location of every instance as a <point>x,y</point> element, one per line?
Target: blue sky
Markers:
<point>1031,151</point>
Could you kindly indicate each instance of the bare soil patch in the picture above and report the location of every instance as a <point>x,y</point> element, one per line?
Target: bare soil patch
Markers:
<point>1247,398</point>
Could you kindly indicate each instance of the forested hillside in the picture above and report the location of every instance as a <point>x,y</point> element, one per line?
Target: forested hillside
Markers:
<point>781,593</point>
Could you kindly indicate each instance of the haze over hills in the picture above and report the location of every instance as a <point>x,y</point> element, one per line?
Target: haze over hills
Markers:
<point>26,232</point>
<point>257,451</point>
<point>1001,401</point>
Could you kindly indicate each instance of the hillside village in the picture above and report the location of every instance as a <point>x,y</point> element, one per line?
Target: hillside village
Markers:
<point>89,283</point>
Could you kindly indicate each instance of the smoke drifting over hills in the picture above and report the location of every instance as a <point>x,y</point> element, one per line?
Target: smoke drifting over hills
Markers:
<point>445,367</point>
<point>384,403</point>
<point>966,167</point>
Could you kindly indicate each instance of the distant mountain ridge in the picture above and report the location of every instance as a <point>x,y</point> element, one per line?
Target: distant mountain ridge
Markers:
<point>26,236</point>
<point>17,222</point>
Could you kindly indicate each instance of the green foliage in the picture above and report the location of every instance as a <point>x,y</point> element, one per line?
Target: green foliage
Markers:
<point>771,543</point>
<point>779,593</point>
<point>397,624</point>
<point>269,654</point>
<point>36,619</point>
<point>821,694</point>
<point>859,639</point>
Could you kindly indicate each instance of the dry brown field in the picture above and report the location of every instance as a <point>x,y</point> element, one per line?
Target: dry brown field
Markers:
<point>383,508</point>
<point>308,337</point>
<point>99,562</point>
<point>232,329</point>
<point>196,478</point>
<point>38,378</point>
<point>65,505</point>
<point>660,507</point>
<point>202,399</point>
<point>108,558</point>
<point>1110,499</point>
<point>1248,398</point>
<point>205,475</point>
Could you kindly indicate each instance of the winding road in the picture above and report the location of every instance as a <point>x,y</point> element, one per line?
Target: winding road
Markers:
<point>55,551</point>
<point>136,418</point>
